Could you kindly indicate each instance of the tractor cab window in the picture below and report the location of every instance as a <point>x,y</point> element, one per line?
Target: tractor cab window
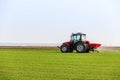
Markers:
<point>83,37</point>
<point>75,38</point>
<point>78,37</point>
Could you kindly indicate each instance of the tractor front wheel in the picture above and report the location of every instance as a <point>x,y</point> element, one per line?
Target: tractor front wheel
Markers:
<point>64,48</point>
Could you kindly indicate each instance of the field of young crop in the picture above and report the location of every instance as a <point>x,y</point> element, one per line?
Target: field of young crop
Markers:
<point>51,64</point>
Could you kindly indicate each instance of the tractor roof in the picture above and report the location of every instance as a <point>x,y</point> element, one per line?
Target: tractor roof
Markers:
<point>79,33</point>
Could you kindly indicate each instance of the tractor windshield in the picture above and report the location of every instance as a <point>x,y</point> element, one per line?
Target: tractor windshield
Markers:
<point>75,37</point>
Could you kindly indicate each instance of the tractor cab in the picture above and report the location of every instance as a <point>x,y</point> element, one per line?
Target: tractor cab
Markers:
<point>78,37</point>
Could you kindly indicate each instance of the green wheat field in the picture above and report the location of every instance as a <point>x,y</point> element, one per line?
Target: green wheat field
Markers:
<point>51,64</point>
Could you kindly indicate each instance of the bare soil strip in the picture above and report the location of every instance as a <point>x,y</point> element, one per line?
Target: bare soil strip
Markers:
<point>109,48</point>
<point>51,47</point>
<point>28,47</point>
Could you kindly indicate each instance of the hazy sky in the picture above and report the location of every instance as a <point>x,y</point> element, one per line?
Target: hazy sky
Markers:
<point>52,21</point>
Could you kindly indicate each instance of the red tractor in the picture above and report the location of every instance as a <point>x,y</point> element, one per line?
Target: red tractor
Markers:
<point>78,42</point>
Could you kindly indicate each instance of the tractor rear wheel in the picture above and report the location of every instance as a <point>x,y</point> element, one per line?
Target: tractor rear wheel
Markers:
<point>64,48</point>
<point>80,48</point>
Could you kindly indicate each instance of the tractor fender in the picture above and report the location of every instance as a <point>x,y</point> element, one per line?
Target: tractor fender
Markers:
<point>77,43</point>
<point>68,43</point>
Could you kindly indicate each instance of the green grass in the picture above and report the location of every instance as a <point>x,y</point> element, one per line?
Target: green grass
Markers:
<point>50,64</point>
